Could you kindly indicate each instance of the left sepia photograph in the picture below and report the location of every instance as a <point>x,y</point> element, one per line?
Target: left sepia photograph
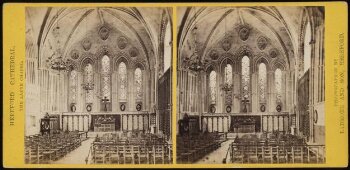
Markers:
<point>98,85</point>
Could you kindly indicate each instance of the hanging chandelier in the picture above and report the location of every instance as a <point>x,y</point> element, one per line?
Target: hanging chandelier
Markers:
<point>195,63</point>
<point>58,63</point>
<point>226,87</point>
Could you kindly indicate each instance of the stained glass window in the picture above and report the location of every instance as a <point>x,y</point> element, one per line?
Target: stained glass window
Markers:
<point>105,77</point>
<point>278,85</point>
<point>88,79</point>
<point>262,82</point>
<point>138,83</point>
<point>228,74</point>
<point>73,86</point>
<point>212,86</point>
<point>245,77</point>
<point>122,81</point>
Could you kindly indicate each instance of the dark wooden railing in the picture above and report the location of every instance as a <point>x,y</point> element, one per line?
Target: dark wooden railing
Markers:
<point>275,122</point>
<point>267,122</point>
<point>75,121</point>
<point>216,122</point>
<point>128,121</point>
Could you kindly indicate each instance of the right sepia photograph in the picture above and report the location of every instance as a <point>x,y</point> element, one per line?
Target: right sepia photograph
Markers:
<point>250,85</point>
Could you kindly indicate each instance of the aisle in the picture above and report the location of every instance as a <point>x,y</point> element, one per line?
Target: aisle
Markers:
<point>78,155</point>
<point>217,156</point>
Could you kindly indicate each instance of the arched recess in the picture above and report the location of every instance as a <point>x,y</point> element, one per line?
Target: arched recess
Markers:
<point>261,59</point>
<point>226,70</point>
<point>105,77</point>
<point>101,52</point>
<point>262,86</point>
<point>122,84</point>
<point>85,61</point>
<point>305,40</point>
<point>73,84</point>
<point>242,52</point>
<point>87,67</point>
<point>278,64</point>
<point>278,84</point>
<point>165,47</point>
<point>88,79</point>
<point>211,84</point>
<point>246,72</point>
<point>140,84</point>
<point>279,90</point>
<point>105,83</point>
<point>226,82</point>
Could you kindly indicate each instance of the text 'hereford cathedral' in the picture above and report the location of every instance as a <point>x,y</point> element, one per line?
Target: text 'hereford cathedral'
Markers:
<point>251,85</point>
<point>98,85</point>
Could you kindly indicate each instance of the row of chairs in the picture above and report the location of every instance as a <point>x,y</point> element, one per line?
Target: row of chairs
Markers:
<point>270,140</point>
<point>277,154</point>
<point>113,148</point>
<point>43,149</point>
<point>131,154</point>
<point>193,148</point>
<point>125,138</point>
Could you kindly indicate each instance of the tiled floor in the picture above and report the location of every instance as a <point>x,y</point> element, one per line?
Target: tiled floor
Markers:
<point>217,156</point>
<point>78,155</point>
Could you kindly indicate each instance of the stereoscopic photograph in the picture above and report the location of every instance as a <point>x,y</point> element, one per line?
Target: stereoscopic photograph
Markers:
<point>98,85</point>
<point>250,85</point>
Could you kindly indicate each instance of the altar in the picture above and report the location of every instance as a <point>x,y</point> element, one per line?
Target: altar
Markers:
<point>105,123</point>
<point>104,127</point>
<point>245,124</point>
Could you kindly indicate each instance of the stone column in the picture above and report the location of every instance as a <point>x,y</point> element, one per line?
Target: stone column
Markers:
<point>145,86</point>
<point>80,100</point>
<point>62,80</point>
<point>236,92</point>
<point>96,92</point>
<point>289,95</point>
<point>200,98</point>
<point>220,102</point>
<point>254,92</point>
<point>130,88</point>
<point>283,91</point>
<point>114,97</point>
<point>312,87</point>
<point>271,104</point>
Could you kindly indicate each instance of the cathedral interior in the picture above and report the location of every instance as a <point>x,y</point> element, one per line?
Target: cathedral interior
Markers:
<point>98,83</point>
<point>250,85</point>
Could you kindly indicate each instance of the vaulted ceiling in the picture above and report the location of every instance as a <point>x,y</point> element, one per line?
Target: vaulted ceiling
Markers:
<point>116,28</point>
<point>279,25</point>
